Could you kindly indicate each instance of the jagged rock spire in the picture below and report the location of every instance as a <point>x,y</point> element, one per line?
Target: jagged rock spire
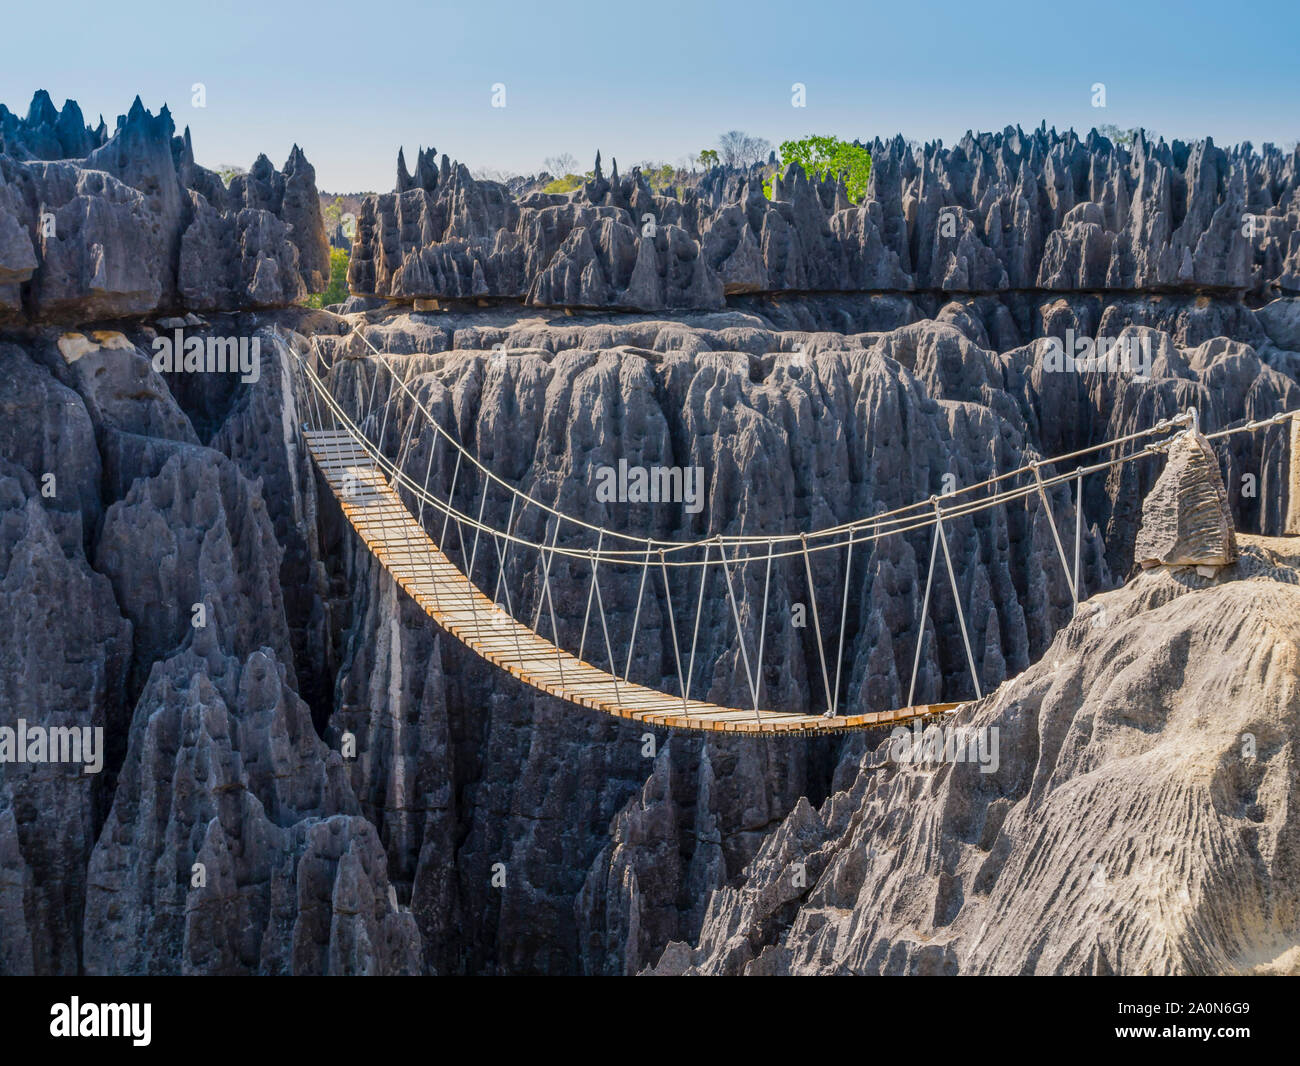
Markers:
<point>403,175</point>
<point>1185,517</point>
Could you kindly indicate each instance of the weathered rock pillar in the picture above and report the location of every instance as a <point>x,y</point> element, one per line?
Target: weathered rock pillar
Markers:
<point>1185,517</point>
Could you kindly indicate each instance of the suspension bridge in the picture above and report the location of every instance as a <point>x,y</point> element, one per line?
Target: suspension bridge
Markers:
<point>414,532</point>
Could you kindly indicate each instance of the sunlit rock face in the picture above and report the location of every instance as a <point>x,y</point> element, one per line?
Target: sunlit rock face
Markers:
<point>1135,820</point>
<point>1185,517</point>
<point>303,775</point>
<point>1014,211</point>
<point>98,225</point>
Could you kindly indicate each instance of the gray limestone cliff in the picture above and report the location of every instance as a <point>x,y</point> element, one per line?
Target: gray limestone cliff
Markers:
<point>302,774</point>
<point>1009,211</point>
<point>1136,819</point>
<point>96,225</point>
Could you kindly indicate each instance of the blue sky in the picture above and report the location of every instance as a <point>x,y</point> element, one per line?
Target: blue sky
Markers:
<point>353,82</point>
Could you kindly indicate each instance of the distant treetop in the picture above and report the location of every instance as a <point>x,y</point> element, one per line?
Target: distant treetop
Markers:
<point>829,157</point>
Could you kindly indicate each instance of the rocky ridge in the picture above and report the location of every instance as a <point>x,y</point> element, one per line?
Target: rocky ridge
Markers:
<point>609,855</point>
<point>98,226</point>
<point>1013,211</point>
<point>1169,703</point>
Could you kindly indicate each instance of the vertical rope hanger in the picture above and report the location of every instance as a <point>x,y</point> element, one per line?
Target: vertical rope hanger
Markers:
<point>925,607</point>
<point>403,445</point>
<point>762,627</point>
<point>636,618</point>
<point>1056,536</point>
<point>956,595</point>
<point>740,633</point>
<point>442,539</point>
<point>591,592</point>
<point>672,628</point>
<point>609,650</point>
<point>699,610</point>
<point>370,399</point>
<point>388,404</point>
<point>817,625</point>
<point>510,610</point>
<point>1078,539</point>
<point>428,471</point>
<point>502,556</point>
<point>550,603</point>
<point>844,615</point>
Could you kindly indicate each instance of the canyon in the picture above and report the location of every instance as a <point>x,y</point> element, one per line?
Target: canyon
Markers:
<point>818,361</point>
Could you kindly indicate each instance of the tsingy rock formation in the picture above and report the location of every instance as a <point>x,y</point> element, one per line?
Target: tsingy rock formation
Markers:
<point>997,212</point>
<point>97,226</point>
<point>1135,820</point>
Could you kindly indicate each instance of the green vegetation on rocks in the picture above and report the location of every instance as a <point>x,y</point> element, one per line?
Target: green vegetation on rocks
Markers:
<point>337,289</point>
<point>828,157</point>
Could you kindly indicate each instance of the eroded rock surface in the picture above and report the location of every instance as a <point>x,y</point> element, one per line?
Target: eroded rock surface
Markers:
<point>1137,820</point>
<point>94,225</point>
<point>233,845</point>
<point>1015,210</point>
<point>832,360</point>
<point>1185,517</point>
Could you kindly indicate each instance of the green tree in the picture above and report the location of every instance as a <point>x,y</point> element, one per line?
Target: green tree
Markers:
<point>708,158</point>
<point>828,157</point>
<point>337,289</point>
<point>568,183</point>
<point>333,214</point>
<point>661,177</point>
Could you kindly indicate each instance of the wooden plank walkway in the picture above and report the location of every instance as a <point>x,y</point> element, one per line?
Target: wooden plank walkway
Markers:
<point>399,542</point>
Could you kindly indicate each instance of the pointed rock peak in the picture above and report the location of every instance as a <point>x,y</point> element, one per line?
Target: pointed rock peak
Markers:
<point>297,162</point>
<point>426,169</point>
<point>403,175</point>
<point>597,172</point>
<point>1185,517</point>
<point>42,111</point>
<point>137,109</point>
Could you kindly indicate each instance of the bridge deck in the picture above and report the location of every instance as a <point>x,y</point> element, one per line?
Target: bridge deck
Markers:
<point>394,536</point>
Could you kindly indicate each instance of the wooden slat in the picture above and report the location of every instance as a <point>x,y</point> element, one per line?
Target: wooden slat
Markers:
<point>400,543</point>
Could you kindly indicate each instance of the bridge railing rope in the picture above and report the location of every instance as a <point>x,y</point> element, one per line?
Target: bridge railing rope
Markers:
<point>911,517</point>
<point>570,537</point>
